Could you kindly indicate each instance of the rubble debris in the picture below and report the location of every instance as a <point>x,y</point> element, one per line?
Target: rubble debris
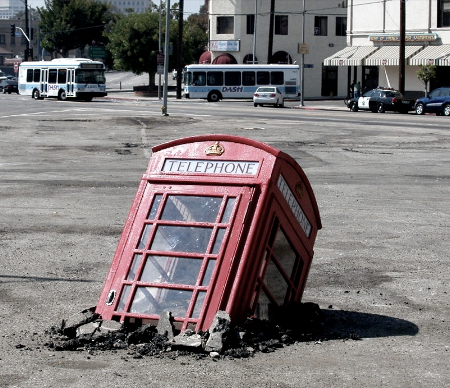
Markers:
<point>301,322</point>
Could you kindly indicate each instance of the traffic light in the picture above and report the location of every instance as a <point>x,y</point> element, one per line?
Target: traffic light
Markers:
<point>13,30</point>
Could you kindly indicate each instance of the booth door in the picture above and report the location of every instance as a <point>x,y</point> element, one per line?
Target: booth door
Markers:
<point>180,239</point>
<point>284,269</point>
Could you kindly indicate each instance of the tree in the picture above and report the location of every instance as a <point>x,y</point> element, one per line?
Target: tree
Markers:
<point>425,74</point>
<point>70,24</point>
<point>134,42</point>
<point>195,36</point>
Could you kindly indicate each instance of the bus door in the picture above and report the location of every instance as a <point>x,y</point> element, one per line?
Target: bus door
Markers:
<point>44,81</point>
<point>70,81</point>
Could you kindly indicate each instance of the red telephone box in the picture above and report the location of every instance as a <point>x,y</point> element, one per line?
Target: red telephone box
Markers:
<point>219,222</point>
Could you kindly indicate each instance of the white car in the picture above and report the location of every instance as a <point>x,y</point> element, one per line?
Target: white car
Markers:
<point>268,95</point>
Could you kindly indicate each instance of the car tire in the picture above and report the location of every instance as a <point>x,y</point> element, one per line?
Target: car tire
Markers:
<point>353,107</point>
<point>214,96</point>
<point>380,108</point>
<point>446,110</point>
<point>255,105</point>
<point>420,109</point>
<point>62,95</point>
<point>281,105</point>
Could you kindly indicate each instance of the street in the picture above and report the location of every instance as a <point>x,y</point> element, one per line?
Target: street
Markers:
<point>69,171</point>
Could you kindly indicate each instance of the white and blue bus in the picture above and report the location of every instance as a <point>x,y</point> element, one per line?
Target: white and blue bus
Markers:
<point>63,78</point>
<point>216,82</point>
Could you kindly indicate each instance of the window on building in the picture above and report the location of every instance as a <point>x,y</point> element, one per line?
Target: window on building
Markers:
<point>225,24</point>
<point>250,24</point>
<point>321,25</point>
<point>341,26</point>
<point>281,24</point>
<point>443,13</point>
<point>2,39</point>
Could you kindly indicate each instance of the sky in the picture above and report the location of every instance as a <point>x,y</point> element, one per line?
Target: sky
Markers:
<point>190,6</point>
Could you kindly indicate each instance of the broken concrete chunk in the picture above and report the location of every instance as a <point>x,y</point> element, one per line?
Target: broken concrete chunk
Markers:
<point>218,332</point>
<point>69,326</point>
<point>87,329</point>
<point>188,339</point>
<point>110,326</point>
<point>165,326</point>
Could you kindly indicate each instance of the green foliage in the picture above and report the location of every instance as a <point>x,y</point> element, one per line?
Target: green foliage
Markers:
<point>426,73</point>
<point>133,42</point>
<point>71,24</point>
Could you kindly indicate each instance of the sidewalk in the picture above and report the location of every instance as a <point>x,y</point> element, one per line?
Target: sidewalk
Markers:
<point>313,104</point>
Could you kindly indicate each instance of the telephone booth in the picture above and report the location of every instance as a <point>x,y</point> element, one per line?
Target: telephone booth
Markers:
<point>218,222</point>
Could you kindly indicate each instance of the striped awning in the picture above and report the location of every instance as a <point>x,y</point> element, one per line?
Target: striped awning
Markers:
<point>389,55</point>
<point>432,55</point>
<point>350,56</point>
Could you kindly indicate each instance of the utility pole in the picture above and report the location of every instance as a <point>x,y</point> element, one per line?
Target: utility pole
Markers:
<point>302,64</point>
<point>26,29</point>
<point>401,58</point>
<point>159,48</point>
<point>180,48</point>
<point>166,60</point>
<point>271,24</point>
<point>254,32</point>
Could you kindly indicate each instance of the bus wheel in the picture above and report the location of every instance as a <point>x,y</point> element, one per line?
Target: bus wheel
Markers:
<point>214,96</point>
<point>62,96</point>
<point>35,94</point>
<point>88,99</point>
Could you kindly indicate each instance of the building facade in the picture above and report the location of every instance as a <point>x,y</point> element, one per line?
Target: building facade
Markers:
<point>123,6</point>
<point>281,31</point>
<point>373,43</point>
<point>9,8</point>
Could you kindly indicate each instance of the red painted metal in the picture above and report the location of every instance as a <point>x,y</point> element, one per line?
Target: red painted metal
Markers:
<point>219,222</point>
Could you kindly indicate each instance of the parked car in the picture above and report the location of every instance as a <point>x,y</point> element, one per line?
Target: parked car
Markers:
<point>380,100</point>
<point>268,95</point>
<point>9,86</point>
<point>437,101</point>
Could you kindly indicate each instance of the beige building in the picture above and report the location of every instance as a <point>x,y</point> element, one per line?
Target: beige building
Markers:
<point>373,43</point>
<point>239,29</point>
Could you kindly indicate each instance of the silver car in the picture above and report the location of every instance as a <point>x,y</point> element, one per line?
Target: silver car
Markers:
<point>268,95</point>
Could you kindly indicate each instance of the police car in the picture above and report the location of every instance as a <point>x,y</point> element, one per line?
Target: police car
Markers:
<point>380,100</point>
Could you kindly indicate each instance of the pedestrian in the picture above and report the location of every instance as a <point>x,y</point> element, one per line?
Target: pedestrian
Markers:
<point>352,89</point>
<point>357,89</point>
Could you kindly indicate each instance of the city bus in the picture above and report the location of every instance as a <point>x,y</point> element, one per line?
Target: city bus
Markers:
<point>63,78</point>
<point>216,82</point>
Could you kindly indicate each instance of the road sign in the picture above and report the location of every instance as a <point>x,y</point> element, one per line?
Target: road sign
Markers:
<point>303,48</point>
<point>160,58</point>
<point>160,69</point>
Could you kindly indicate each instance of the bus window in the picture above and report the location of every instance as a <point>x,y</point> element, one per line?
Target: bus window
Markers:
<point>277,78</point>
<point>30,75</point>
<point>233,78</point>
<point>215,78</point>
<point>62,75</point>
<point>263,78</point>
<point>248,78</point>
<point>36,75</point>
<point>52,76</point>
<point>199,78</point>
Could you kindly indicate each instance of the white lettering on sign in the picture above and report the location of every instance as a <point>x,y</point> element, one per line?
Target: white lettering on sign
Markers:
<point>211,166</point>
<point>294,205</point>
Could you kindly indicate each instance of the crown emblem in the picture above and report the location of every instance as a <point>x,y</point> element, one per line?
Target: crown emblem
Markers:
<point>215,149</point>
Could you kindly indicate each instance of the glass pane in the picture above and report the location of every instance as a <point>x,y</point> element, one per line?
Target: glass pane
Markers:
<point>263,307</point>
<point>208,273</point>
<point>181,239</point>
<point>228,209</point>
<point>284,253</point>
<point>218,242</point>
<point>198,304</point>
<point>275,283</point>
<point>191,209</point>
<point>144,237</point>
<point>154,208</point>
<point>154,301</point>
<point>134,266</point>
<point>123,298</point>
<point>171,270</point>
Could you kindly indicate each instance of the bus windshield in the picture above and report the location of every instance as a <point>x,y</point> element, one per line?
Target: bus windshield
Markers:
<point>89,76</point>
